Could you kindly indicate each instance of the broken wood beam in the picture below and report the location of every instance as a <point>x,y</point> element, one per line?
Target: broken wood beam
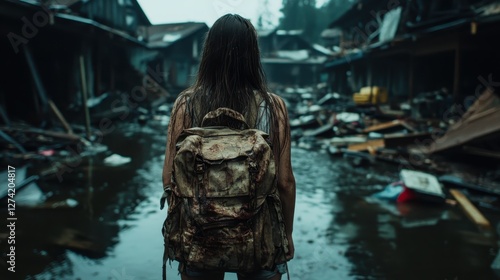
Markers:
<point>368,145</point>
<point>60,116</point>
<point>470,210</point>
<point>388,125</point>
<point>55,134</point>
<point>479,122</point>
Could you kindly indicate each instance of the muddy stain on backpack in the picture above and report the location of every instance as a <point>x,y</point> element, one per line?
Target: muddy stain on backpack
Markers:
<point>224,211</point>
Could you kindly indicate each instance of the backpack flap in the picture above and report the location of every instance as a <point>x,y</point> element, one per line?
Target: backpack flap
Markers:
<point>227,184</point>
<point>224,116</point>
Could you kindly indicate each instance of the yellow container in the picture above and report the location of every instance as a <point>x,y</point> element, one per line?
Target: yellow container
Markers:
<point>371,95</point>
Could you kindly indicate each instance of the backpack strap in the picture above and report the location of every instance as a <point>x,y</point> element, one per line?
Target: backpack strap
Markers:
<point>209,118</point>
<point>287,271</point>
<point>164,267</point>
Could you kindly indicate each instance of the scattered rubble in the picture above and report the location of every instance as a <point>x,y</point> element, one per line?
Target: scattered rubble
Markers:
<point>424,147</point>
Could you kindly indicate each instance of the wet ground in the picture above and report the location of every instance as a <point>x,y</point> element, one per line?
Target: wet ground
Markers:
<point>340,233</point>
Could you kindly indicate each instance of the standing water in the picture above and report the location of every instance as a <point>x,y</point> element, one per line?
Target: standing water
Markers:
<point>340,233</point>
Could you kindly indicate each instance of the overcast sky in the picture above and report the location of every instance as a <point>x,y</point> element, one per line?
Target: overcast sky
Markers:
<point>172,11</point>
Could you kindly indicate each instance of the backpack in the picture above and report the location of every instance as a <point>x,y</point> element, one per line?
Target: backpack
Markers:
<point>224,208</point>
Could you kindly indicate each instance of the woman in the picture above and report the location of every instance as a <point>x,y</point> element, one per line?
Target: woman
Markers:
<point>230,75</point>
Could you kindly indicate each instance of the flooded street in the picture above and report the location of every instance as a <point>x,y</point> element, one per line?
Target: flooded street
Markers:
<point>340,232</point>
<point>393,106</point>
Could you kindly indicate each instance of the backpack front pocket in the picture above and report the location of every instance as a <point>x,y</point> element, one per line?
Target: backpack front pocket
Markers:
<point>223,248</point>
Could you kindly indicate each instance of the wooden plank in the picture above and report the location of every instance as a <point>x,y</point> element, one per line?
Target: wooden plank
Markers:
<point>468,131</point>
<point>54,134</point>
<point>368,145</point>
<point>382,126</point>
<point>470,210</point>
<point>480,120</point>
<point>60,116</point>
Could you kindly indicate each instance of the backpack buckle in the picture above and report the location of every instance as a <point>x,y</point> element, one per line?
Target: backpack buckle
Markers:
<point>200,168</point>
<point>253,167</point>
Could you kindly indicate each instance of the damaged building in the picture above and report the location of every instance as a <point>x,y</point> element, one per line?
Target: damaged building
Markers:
<point>72,66</point>
<point>288,59</point>
<point>62,50</point>
<point>414,47</point>
<point>71,51</point>
<point>431,61</point>
<point>179,50</point>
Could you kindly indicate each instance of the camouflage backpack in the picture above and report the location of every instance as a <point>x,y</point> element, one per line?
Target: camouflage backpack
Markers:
<point>224,209</point>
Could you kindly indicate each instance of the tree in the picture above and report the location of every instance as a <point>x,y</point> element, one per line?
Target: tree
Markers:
<point>265,20</point>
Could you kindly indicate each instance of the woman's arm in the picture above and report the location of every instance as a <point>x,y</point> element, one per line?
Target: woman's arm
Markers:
<point>175,128</point>
<point>286,180</point>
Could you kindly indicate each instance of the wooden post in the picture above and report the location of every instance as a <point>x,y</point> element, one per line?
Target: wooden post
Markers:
<point>84,96</point>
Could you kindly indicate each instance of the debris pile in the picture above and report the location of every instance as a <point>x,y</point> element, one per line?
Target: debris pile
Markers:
<point>430,152</point>
<point>413,138</point>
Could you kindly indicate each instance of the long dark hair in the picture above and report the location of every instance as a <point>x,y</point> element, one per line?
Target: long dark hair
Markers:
<point>231,75</point>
